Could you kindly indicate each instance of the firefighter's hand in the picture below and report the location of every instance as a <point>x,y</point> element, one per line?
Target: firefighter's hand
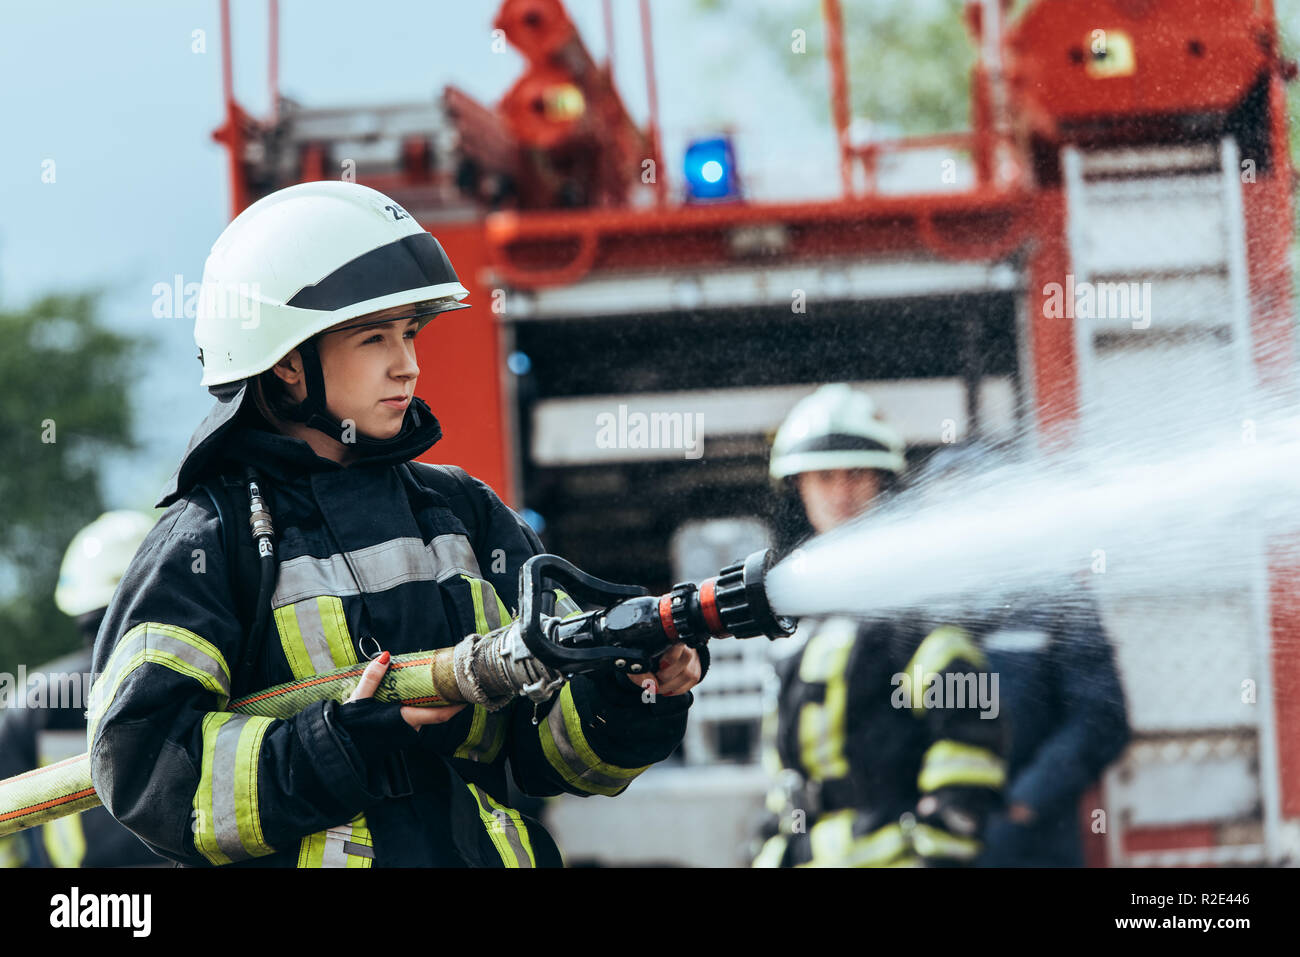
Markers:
<point>415,717</point>
<point>679,672</point>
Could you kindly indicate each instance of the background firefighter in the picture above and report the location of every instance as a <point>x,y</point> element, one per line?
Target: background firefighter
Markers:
<point>32,737</point>
<point>864,781</point>
<point>1059,687</point>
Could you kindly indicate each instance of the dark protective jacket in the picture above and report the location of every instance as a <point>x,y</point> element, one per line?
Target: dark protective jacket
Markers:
<point>364,553</point>
<point>48,727</point>
<point>892,743</point>
<point>1068,720</point>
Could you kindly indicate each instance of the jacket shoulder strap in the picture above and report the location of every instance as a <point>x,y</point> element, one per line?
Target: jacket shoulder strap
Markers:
<point>229,497</point>
<point>453,484</point>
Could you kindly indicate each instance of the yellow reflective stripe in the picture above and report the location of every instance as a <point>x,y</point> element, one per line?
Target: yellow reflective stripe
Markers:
<point>490,612</point>
<point>833,843</point>
<point>227,824</point>
<point>480,615</point>
<point>772,852</point>
<point>565,607</point>
<point>521,829</point>
<point>933,842</point>
<point>205,840</point>
<point>822,724</point>
<point>880,848</point>
<point>489,727</point>
<point>314,635</point>
<point>248,819</point>
<point>360,841</point>
<point>311,850</point>
<point>830,836</point>
<point>823,654</point>
<point>506,828</point>
<point>475,736</point>
<point>949,763</point>
<point>295,650</point>
<point>168,645</point>
<point>941,647</point>
<point>567,750</point>
<point>335,626</point>
<point>348,845</point>
<point>65,841</point>
<point>487,731</point>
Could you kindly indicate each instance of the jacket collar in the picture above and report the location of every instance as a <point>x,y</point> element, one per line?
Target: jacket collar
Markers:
<point>226,436</point>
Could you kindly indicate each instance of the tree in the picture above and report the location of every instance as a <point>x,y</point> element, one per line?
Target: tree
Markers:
<point>64,383</point>
<point>908,61</point>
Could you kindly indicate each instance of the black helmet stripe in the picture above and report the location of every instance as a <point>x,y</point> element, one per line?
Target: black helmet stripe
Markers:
<point>838,442</point>
<point>410,263</point>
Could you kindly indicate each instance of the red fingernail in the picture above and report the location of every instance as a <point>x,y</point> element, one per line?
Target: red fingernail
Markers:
<point>383,658</point>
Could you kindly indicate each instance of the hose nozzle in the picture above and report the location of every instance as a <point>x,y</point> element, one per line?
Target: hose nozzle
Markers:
<point>733,602</point>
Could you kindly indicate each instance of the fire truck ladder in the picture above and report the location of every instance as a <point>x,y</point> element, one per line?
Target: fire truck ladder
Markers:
<point>1202,770</point>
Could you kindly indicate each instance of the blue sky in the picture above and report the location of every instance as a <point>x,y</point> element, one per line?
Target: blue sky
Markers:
<point>115,96</point>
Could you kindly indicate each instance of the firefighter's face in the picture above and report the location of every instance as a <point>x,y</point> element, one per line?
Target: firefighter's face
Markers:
<point>370,373</point>
<point>833,496</point>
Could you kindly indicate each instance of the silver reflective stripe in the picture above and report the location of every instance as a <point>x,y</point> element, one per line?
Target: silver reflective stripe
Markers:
<point>491,610</point>
<point>168,645</point>
<point>225,822</point>
<point>453,556</point>
<point>379,568</point>
<point>313,636</point>
<point>555,720</point>
<point>339,846</point>
<point>507,826</point>
<point>334,853</point>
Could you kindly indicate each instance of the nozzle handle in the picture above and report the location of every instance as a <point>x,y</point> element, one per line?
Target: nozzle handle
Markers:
<point>580,586</point>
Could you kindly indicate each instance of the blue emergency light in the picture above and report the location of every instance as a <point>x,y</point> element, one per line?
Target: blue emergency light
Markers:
<point>710,167</point>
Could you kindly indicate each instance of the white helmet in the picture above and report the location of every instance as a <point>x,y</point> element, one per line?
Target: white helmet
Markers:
<point>835,428</point>
<point>290,266</point>
<point>308,257</point>
<point>96,559</point>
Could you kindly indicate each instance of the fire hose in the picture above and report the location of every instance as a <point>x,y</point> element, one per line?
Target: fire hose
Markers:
<point>530,657</point>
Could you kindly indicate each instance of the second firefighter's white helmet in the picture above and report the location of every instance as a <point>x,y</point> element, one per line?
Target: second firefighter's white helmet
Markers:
<point>96,560</point>
<point>308,257</point>
<point>835,428</point>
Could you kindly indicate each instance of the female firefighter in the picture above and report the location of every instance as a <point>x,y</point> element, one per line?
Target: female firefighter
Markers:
<point>873,772</point>
<point>312,298</point>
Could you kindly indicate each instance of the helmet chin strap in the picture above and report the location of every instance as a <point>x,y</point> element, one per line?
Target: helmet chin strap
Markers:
<point>312,412</point>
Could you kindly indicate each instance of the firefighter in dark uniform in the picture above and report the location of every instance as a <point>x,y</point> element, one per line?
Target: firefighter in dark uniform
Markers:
<point>55,729</point>
<point>871,771</point>
<point>1060,690</point>
<point>312,299</point>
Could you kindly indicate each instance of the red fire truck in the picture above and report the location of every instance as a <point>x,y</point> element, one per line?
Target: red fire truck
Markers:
<point>1113,142</point>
